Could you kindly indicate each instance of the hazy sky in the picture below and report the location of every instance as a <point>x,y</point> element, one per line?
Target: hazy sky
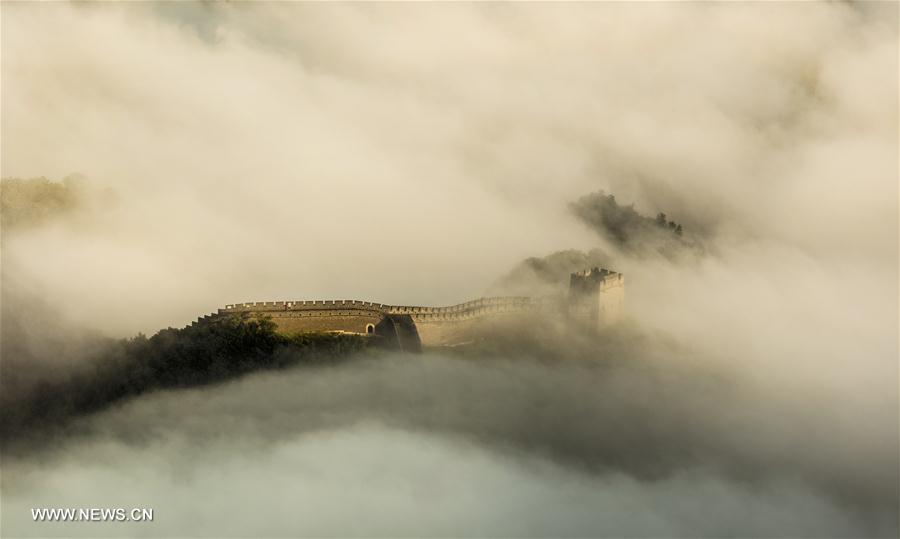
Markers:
<point>413,153</point>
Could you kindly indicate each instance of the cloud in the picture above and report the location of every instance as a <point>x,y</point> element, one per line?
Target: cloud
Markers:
<point>412,154</point>
<point>439,445</point>
<point>244,157</point>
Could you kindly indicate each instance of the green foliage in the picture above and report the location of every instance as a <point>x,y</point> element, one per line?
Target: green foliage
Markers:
<point>222,348</point>
<point>204,353</point>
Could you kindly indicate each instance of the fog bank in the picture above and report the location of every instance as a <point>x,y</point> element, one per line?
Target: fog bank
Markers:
<point>418,154</point>
<point>425,445</point>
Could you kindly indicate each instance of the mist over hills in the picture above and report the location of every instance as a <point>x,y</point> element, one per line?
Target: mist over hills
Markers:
<point>625,403</point>
<point>427,154</point>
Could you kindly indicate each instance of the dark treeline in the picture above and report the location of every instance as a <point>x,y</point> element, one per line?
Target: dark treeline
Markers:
<point>620,224</point>
<point>203,353</point>
<point>628,228</point>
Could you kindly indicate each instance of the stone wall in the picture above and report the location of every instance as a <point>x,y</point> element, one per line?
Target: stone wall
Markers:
<point>611,307</point>
<point>428,326</point>
<point>348,321</point>
<point>595,296</point>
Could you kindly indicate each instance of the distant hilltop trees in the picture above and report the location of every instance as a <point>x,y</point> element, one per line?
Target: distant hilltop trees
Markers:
<point>629,229</point>
<point>620,224</point>
<point>35,201</point>
<point>672,225</point>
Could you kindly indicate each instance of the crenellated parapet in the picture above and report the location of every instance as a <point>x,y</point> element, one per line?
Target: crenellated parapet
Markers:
<point>595,295</point>
<point>470,309</point>
<point>462,311</point>
<point>268,306</point>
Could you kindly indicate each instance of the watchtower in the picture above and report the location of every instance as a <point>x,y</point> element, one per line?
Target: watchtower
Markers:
<point>596,296</point>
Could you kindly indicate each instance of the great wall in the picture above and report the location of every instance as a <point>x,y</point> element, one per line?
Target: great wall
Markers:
<point>595,298</point>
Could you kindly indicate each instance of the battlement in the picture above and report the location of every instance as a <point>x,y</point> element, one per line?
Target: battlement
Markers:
<point>595,295</point>
<point>301,305</point>
<point>461,310</point>
<point>594,278</point>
